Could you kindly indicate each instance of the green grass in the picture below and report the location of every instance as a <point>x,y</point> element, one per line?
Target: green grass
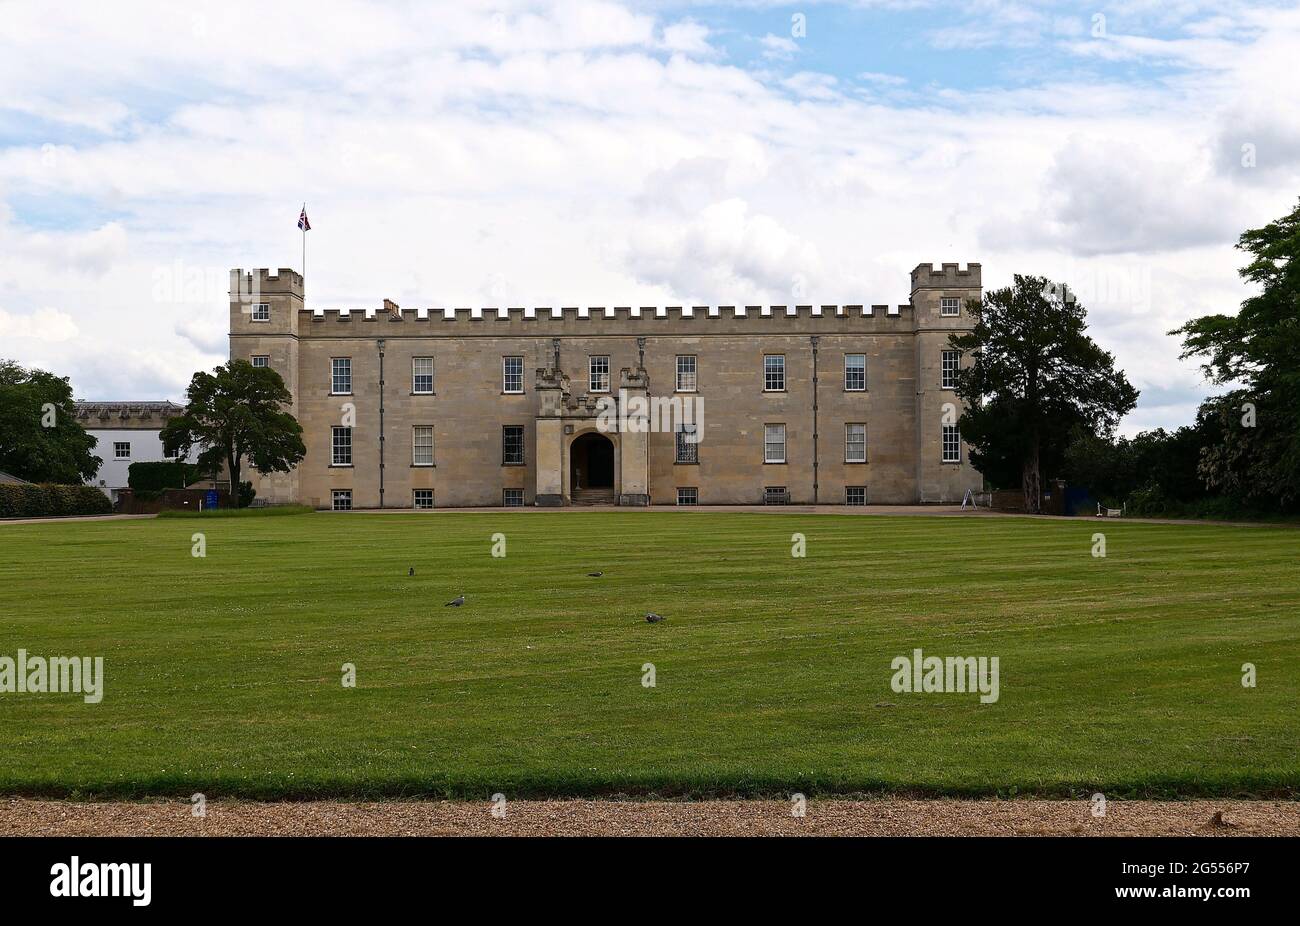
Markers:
<point>1120,674</point>
<point>271,511</point>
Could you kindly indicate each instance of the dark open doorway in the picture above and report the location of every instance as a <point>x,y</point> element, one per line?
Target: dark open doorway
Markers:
<point>591,462</point>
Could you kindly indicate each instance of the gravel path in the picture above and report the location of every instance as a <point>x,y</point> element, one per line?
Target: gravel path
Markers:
<point>830,817</point>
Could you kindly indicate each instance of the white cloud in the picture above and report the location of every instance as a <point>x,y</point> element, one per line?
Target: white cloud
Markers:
<point>42,325</point>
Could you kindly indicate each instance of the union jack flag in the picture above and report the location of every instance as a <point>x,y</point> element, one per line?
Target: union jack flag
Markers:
<point>302,220</point>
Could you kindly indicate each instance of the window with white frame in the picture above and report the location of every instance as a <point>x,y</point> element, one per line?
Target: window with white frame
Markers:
<point>512,445</point>
<point>422,499</point>
<point>688,445</point>
<point>341,375</point>
<point>774,372</point>
<point>951,444</point>
<point>513,498</point>
<point>855,443</point>
<point>422,375</point>
<point>512,375</point>
<point>688,495</point>
<point>949,305</point>
<point>949,360</point>
<point>340,446</point>
<point>686,366</point>
<point>855,495</point>
<point>261,312</point>
<point>598,373</point>
<point>775,495</point>
<point>122,450</point>
<point>422,445</point>
<point>260,360</point>
<point>855,372</point>
<point>773,443</point>
<point>341,499</point>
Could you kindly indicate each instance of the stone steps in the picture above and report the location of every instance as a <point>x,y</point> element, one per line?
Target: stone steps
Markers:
<point>589,497</point>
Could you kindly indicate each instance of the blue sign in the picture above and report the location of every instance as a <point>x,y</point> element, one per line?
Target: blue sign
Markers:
<point>211,500</point>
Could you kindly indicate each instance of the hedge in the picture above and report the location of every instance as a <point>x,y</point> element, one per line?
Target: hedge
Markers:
<point>166,474</point>
<point>48,500</point>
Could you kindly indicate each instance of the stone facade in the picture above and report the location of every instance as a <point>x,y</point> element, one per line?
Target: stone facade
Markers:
<point>903,406</point>
<point>127,432</point>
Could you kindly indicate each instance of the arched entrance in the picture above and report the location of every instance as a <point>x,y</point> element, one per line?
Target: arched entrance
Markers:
<point>591,462</point>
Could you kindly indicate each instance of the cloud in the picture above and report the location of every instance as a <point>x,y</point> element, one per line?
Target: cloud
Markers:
<point>42,325</point>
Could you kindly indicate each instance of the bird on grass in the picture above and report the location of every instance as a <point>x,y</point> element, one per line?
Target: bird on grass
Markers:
<point>595,575</point>
<point>653,618</point>
<point>412,571</point>
<point>455,602</point>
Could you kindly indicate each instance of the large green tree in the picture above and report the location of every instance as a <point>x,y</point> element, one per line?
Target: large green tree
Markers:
<point>1037,378</point>
<point>40,438</point>
<point>236,413</point>
<point>1257,350</point>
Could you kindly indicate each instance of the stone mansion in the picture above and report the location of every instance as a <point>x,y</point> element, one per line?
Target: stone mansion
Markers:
<point>733,405</point>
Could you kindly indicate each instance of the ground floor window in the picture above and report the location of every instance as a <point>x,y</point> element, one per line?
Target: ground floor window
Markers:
<point>855,495</point>
<point>775,495</point>
<point>122,450</point>
<point>951,444</point>
<point>513,498</point>
<point>342,499</point>
<point>341,446</point>
<point>512,445</point>
<point>688,495</point>
<point>423,499</point>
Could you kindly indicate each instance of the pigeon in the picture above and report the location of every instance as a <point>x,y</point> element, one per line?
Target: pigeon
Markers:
<point>455,602</point>
<point>653,618</point>
<point>412,572</point>
<point>595,575</point>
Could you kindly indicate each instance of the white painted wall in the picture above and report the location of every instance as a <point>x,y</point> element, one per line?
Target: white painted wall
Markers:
<point>146,447</point>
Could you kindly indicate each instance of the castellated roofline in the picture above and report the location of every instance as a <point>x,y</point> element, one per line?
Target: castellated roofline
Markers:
<point>464,315</point>
<point>948,276</point>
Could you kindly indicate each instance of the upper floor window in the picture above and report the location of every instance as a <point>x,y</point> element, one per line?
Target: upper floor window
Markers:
<point>422,375</point>
<point>341,375</point>
<point>774,373</point>
<point>512,374</point>
<point>598,373</point>
<point>260,360</point>
<point>686,381</point>
<point>855,372</point>
<point>855,443</point>
<point>422,445</point>
<point>340,446</point>
<point>948,363</point>
<point>688,445</point>
<point>949,305</point>
<point>512,445</point>
<point>773,443</point>
<point>951,444</point>
<point>122,450</point>
<point>261,312</point>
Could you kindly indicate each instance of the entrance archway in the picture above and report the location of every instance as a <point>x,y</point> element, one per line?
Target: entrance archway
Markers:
<point>591,462</point>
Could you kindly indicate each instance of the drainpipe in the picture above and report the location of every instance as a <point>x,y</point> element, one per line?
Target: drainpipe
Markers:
<point>381,422</point>
<point>814,340</point>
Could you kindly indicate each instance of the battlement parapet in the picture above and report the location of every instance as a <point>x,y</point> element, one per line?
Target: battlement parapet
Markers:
<point>949,276</point>
<point>250,285</point>
<point>462,314</point>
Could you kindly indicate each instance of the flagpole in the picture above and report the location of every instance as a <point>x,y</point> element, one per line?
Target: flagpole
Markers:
<point>304,259</point>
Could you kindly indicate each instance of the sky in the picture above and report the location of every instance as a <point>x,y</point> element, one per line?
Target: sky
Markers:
<point>597,152</point>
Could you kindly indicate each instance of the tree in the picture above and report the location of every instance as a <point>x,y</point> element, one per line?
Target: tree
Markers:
<point>1258,455</point>
<point>40,439</point>
<point>1037,377</point>
<point>232,414</point>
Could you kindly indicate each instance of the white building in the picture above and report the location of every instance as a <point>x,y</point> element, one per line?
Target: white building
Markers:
<point>128,432</point>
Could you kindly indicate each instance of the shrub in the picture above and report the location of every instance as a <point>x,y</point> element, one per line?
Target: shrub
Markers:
<point>167,474</point>
<point>47,501</point>
<point>246,494</point>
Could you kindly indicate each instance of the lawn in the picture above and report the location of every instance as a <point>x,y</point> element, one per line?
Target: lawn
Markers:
<point>224,673</point>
